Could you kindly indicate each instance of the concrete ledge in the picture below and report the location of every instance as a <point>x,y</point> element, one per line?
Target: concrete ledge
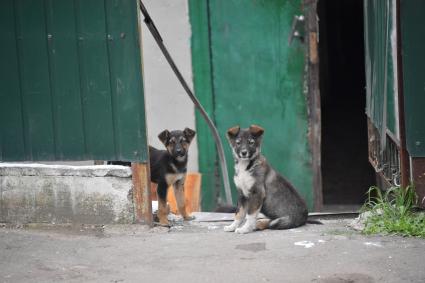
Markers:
<point>15,169</point>
<point>35,193</point>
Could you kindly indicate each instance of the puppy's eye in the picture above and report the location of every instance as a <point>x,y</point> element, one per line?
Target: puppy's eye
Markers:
<point>251,141</point>
<point>238,141</point>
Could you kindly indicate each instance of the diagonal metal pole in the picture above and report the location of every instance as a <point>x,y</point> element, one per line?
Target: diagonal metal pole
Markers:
<point>155,33</point>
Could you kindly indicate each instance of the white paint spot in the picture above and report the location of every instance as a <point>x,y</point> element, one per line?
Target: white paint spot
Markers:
<point>305,244</point>
<point>213,227</point>
<point>321,241</point>
<point>374,244</point>
<point>154,205</point>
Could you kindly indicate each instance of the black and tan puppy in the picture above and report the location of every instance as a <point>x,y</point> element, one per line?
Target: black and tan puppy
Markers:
<point>168,167</point>
<point>261,188</point>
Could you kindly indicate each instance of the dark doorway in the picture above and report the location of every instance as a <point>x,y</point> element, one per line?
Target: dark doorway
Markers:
<point>346,172</point>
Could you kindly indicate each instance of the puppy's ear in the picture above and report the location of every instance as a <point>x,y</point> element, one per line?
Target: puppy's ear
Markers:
<point>164,136</point>
<point>256,131</point>
<point>189,134</point>
<point>233,132</point>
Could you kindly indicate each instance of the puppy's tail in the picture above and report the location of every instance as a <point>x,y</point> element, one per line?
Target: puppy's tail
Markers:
<point>282,223</point>
<point>312,221</point>
<point>277,224</point>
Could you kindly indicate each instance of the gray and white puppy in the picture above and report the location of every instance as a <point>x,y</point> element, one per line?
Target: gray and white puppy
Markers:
<point>261,188</point>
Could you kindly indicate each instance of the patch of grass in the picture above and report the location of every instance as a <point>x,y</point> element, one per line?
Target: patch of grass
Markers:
<point>393,212</point>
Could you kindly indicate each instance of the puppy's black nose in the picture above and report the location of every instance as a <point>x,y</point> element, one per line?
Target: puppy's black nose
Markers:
<point>244,153</point>
<point>178,150</point>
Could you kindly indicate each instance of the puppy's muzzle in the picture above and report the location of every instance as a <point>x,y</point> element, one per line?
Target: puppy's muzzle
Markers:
<point>244,153</point>
<point>180,152</point>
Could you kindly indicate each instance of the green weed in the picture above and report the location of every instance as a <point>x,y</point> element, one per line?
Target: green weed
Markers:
<point>393,212</point>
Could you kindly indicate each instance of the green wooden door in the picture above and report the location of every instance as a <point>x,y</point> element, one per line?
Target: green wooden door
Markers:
<point>245,72</point>
<point>71,82</point>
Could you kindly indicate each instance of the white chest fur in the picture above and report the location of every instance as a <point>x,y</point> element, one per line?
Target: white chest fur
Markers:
<point>172,178</point>
<point>243,178</point>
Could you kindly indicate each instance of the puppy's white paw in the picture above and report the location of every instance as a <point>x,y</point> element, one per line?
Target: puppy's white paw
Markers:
<point>244,230</point>
<point>229,228</point>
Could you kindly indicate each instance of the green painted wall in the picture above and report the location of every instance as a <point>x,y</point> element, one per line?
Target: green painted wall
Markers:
<point>413,46</point>
<point>246,73</point>
<point>202,80</point>
<point>71,86</point>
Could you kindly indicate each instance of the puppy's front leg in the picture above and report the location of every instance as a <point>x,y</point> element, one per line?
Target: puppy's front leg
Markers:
<point>181,203</point>
<point>253,208</point>
<point>250,223</point>
<point>239,216</point>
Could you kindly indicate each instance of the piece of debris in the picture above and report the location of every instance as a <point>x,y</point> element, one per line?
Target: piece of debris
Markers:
<point>374,244</point>
<point>213,216</point>
<point>305,244</point>
<point>213,227</point>
<point>358,223</point>
<point>159,229</point>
